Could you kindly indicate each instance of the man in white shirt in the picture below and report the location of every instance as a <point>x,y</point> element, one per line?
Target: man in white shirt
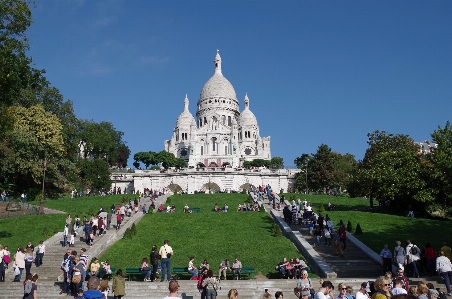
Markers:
<point>398,287</point>
<point>326,289</point>
<point>166,252</point>
<point>173,289</point>
<point>362,293</point>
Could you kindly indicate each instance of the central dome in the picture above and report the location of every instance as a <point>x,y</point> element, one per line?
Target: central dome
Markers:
<point>218,87</point>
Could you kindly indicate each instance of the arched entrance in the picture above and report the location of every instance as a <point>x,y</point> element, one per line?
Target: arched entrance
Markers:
<point>210,187</point>
<point>175,188</point>
<point>200,165</point>
<point>213,164</point>
<point>247,187</point>
<point>226,164</point>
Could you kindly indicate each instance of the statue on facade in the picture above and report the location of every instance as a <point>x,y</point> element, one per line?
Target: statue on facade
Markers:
<point>190,147</point>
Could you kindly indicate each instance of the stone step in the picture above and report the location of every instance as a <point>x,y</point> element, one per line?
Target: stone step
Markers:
<point>246,288</point>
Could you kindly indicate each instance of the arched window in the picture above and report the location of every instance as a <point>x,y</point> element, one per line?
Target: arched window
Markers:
<point>229,121</point>
<point>202,150</point>
<point>223,120</point>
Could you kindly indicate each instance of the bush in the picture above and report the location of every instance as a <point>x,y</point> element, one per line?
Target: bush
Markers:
<point>45,232</point>
<point>133,229</point>
<point>358,230</point>
<point>321,208</point>
<point>349,227</point>
<point>275,231</point>
<point>128,234</point>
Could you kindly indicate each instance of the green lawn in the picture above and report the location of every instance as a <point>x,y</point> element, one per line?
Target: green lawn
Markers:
<point>85,205</point>
<point>207,235</point>
<point>380,228</point>
<point>15,232</point>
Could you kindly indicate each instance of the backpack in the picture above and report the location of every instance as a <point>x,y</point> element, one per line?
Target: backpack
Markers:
<point>442,295</point>
<point>414,250</point>
<point>28,287</point>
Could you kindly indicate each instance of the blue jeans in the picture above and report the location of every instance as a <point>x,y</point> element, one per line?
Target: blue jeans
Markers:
<point>236,272</point>
<point>193,273</point>
<point>211,294</point>
<point>317,240</point>
<point>19,277</point>
<point>147,274</point>
<point>38,259</point>
<point>414,267</point>
<point>447,276</point>
<point>64,241</point>
<point>166,265</point>
<point>282,272</point>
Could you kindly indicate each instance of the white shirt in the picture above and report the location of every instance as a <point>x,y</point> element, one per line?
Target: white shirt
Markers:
<point>168,297</point>
<point>320,295</point>
<point>398,291</point>
<point>360,295</point>
<point>443,264</point>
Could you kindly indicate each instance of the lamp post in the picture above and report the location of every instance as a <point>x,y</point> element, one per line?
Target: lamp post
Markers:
<point>41,205</point>
<point>306,173</point>
<point>116,176</point>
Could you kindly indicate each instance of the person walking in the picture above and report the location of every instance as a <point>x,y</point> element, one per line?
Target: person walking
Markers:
<point>444,268</point>
<point>2,255</point>
<point>119,285</point>
<point>386,259</point>
<point>40,252</point>
<point>399,255</point>
<point>19,262</point>
<point>166,252</point>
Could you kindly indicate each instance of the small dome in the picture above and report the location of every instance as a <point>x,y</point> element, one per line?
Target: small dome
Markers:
<point>247,117</point>
<point>185,119</point>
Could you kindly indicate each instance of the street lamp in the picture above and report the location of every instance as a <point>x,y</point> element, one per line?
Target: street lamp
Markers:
<point>41,205</point>
<point>306,173</point>
<point>116,176</point>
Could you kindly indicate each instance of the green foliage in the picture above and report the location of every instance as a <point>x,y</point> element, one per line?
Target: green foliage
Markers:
<point>94,174</point>
<point>128,234</point>
<point>133,229</point>
<point>56,229</point>
<point>325,169</point>
<point>321,208</point>
<point>103,141</point>
<point>276,162</point>
<point>275,231</point>
<point>45,232</point>
<point>349,227</point>
<point>257,163</point>
<point>391,168</point>
<point>358,229</point>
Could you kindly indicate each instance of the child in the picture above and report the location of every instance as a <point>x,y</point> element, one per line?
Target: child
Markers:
<point>104,288</point>
<point>71,243</point>
<point>91,239</point>
<point>79,294</point>
<point>311,227</point>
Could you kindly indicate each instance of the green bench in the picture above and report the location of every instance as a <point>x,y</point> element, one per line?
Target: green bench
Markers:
<point>246,272</point>
<point>178,272</point>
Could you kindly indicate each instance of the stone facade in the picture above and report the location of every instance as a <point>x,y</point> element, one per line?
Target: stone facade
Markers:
<point>207,179</point>
<point>220,136</point>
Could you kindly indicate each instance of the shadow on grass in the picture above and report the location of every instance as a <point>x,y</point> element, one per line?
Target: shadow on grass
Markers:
<point>5,235</point>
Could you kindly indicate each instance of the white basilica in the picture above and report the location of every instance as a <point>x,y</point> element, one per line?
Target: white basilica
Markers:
<point>221,135</point>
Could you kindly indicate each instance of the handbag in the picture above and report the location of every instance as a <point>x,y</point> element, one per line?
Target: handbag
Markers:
<point>76,278</point>
<point>145,269</point>
<point>16,270</point>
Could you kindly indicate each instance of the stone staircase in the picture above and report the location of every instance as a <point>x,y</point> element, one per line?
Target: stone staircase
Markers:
<point>251,289</point>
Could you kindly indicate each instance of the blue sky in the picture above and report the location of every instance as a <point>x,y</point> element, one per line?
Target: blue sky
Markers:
<point>315,71</point>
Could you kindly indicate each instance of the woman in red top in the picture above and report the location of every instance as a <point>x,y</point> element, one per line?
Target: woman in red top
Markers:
<point>431,258</point>
<point>118,221</point>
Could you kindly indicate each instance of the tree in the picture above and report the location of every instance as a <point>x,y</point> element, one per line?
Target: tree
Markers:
<point>276,162</point>
<point>390,168</point>
<point>166,158</point>
<point>102,141</point>
<point>16,72</point>
<point>321,168</point>
<point>147,158</point>
<point>440,169</point>
<point>94,174</point>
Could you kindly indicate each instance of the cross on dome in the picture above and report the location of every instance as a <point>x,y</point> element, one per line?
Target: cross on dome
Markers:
<point>247,101</point>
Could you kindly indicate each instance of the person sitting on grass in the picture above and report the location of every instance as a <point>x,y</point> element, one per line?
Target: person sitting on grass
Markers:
<point>225,208</point>
<point>216,208</point>
<point>161,208</point>
<point>239,208</point>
